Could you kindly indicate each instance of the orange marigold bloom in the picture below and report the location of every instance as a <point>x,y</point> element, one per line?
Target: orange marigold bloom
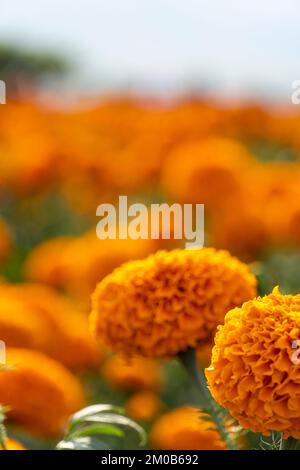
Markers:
<point>184,429</point>
<point>136,373</point>
<point>163,304</point>
<point>37,317</point>
<point>143,406</point>
<point>29,164</point>
<point>12,444</point>
<point>208,171</point>
<point>242,231</point>
<point>77,264</point>
<point>45,262</point>
<point>280,193</point>
<point>252,373</point>
<point>40,393</point>
<point>20,326</point>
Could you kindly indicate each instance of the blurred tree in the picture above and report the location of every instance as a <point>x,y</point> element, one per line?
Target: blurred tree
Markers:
<point>23,70</point>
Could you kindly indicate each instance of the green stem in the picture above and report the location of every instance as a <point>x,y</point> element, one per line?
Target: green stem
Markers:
<point>288,444</point>
<point>188,359</point>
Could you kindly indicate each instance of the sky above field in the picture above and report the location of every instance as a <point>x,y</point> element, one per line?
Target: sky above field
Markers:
<point>224,45</point>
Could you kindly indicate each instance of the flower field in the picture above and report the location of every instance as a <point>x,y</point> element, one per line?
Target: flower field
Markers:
<point>126,344</point>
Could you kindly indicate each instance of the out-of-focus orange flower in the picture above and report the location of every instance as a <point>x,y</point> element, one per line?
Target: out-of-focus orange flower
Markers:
<point>112,154</point>
<point>28,166</point>
<point>279,188</point>
<point>77,264</point>
<point>143,406</point>
<point>246,120</point>
<point>22,327</point>
<point>45,262</point>
<point>40,393</point>
<point>208,171</point>
<point>12,444</point>
<point>265,214</point>
<point>185,429</point>
<point>252,373</point>
<point>136,373</point>
<point>241,229</point>
<point>161,305</point>
<point>89,259</point>
<point>37,317</point>
<point>29,157</point>
<point>283,128</point>
<point>6,241</point>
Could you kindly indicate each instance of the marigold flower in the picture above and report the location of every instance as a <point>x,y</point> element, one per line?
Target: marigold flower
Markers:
<point>136,373</point>
<point>163,304</point>
<point>208,171</point>
<point>37,317</point>
<point>242,230</point>
<point>88,259</point>
<point>20,326</point>
<point>45,262</point>
<point>252,373</point>
<point>280,193</point>
<point>40,393</point>
<point>30,162</point>
<point>246,121</point>
<point>78,264</point>
<point>185,429</point>
<point>143,406</point>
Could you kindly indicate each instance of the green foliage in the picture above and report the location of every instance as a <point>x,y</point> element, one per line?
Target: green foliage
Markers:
<point>268,151</point>
<point>280,268</point>
<point>16,60</point>
<point>99,427</point>
<point>218,416</point>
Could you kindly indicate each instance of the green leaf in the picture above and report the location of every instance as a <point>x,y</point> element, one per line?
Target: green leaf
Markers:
<point>81,415</point>
<point>98,420</point>
<point>120,420</point>
<point>106,429</point>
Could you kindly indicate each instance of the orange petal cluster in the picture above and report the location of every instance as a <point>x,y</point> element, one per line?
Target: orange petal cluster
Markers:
<point>135,373</point>
<point>40,393</point>
<point>185,429</point>
<point>252,373</point>
<point>143,406</point>
<point>38,317</point>
<point>163,304</point>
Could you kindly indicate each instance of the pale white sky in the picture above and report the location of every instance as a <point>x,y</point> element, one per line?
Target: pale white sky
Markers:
<point>228,45</point>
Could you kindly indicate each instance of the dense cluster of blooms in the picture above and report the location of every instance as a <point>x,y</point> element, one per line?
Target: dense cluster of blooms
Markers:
<point>163,304</point>
<point>148,305</point>
<point>185,429</point>
<point>252,373</point>
<point>191,151</point>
